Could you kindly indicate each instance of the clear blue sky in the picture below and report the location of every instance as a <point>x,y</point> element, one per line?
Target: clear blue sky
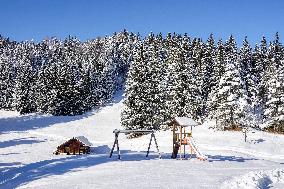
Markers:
<point>37,19</point>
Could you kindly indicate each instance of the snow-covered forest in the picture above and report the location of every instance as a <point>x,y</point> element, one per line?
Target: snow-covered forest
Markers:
<point>62,77</point>
<point>175,75</point>
<point>180,76</point>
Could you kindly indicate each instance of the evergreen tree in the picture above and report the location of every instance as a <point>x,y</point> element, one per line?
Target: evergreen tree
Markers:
<point>274,106</point>
<point>7,76</point>
<point>67,89</point>
<point>218,72</point>
<point>144,88</point>
<point>231,96</point>
<point>195,97</point>
<point>25,80</point>
<point>208,66</point>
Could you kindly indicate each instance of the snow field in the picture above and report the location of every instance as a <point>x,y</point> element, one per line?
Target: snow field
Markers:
<point>27,143</point>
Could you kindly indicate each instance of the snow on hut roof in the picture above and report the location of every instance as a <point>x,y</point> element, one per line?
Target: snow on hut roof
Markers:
<point>185,121</point>
<point>84,140</point>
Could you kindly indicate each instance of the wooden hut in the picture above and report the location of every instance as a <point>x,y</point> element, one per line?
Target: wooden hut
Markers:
<point>76,145</point>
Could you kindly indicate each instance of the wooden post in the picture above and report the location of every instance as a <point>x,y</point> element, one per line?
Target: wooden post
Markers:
<point>184,145</point>
<point>174,137</point>
<point>117,147</point>
<point>149,145</point>
<point>156,145</point>
<point>180,137</point>
<point>115,142</point>
<point>245,133</point>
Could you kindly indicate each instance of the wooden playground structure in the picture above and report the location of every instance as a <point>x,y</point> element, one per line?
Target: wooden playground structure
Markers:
<point>117,132</point>
<point>182,137</point>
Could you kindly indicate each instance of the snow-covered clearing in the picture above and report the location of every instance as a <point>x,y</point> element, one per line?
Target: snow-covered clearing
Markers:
<point>27,144</point>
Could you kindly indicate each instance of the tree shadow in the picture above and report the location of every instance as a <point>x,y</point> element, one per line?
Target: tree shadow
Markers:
<point>212,158</point>
<point>36,121</point>
<point>7,166</point>
<point>15,177</point>
<point>10,164</point>
<point>19,141</point>
<point>119,96</point>
<point>7,154</point>
<point>258,141</point>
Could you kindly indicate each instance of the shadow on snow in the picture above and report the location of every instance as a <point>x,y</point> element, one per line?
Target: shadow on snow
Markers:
<point>19,141</point>
<point>15,177</point>
<point>212,158</point>
<point>36,121</point>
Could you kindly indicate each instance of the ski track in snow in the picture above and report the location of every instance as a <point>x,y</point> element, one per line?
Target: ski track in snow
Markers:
<point>27,143</point>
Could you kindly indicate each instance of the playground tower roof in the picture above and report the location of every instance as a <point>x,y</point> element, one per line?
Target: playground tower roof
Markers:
<point>184,121</point>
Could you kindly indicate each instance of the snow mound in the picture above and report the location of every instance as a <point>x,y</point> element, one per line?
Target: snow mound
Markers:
<point>256,180</point>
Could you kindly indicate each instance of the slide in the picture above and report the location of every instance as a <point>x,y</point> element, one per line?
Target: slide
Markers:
<point>199,155</point>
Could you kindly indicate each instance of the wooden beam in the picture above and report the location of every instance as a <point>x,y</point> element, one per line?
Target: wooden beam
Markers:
<point>157,147</point>
<point>149,145</point>
<point>183,145</point>
<point>117,147</point>
<point>114,143</point>
<point>180,137</point>
<point>133,131</point>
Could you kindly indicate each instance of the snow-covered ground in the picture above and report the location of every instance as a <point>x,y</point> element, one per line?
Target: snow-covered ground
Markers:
<point>27,144</point>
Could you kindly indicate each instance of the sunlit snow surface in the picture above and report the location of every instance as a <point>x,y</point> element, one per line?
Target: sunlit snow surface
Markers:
<point>27,144</point>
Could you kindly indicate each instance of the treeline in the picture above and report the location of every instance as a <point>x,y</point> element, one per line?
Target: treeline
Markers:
<point>65,77</point>
<point>179,76</point>
<point>166,77</point>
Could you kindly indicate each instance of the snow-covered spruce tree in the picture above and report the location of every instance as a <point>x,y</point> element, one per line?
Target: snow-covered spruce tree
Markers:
<point>47,82</point>
<point>246,70</point>
<point>45,79</point>
<point>144,91</point>
<point>274,107</point>
<point>195,97</point>
<point>7,74</point>
<point>123,44</point>
<point>25,80</point>
<point>67,99</point>
<point>261,68</point>
<point>218,72</point>
<point>181,87</point>
<point>92,50</point>
<point>209,79</point>
<point>133,115</point>
<point>259,60</point>
<point>86,86</point>
<point>249,73</point>
<point>173,77</point>
<point>156,82</point>
<point>108,69</point>
<point>231,96</point>
<point>58,90</point>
